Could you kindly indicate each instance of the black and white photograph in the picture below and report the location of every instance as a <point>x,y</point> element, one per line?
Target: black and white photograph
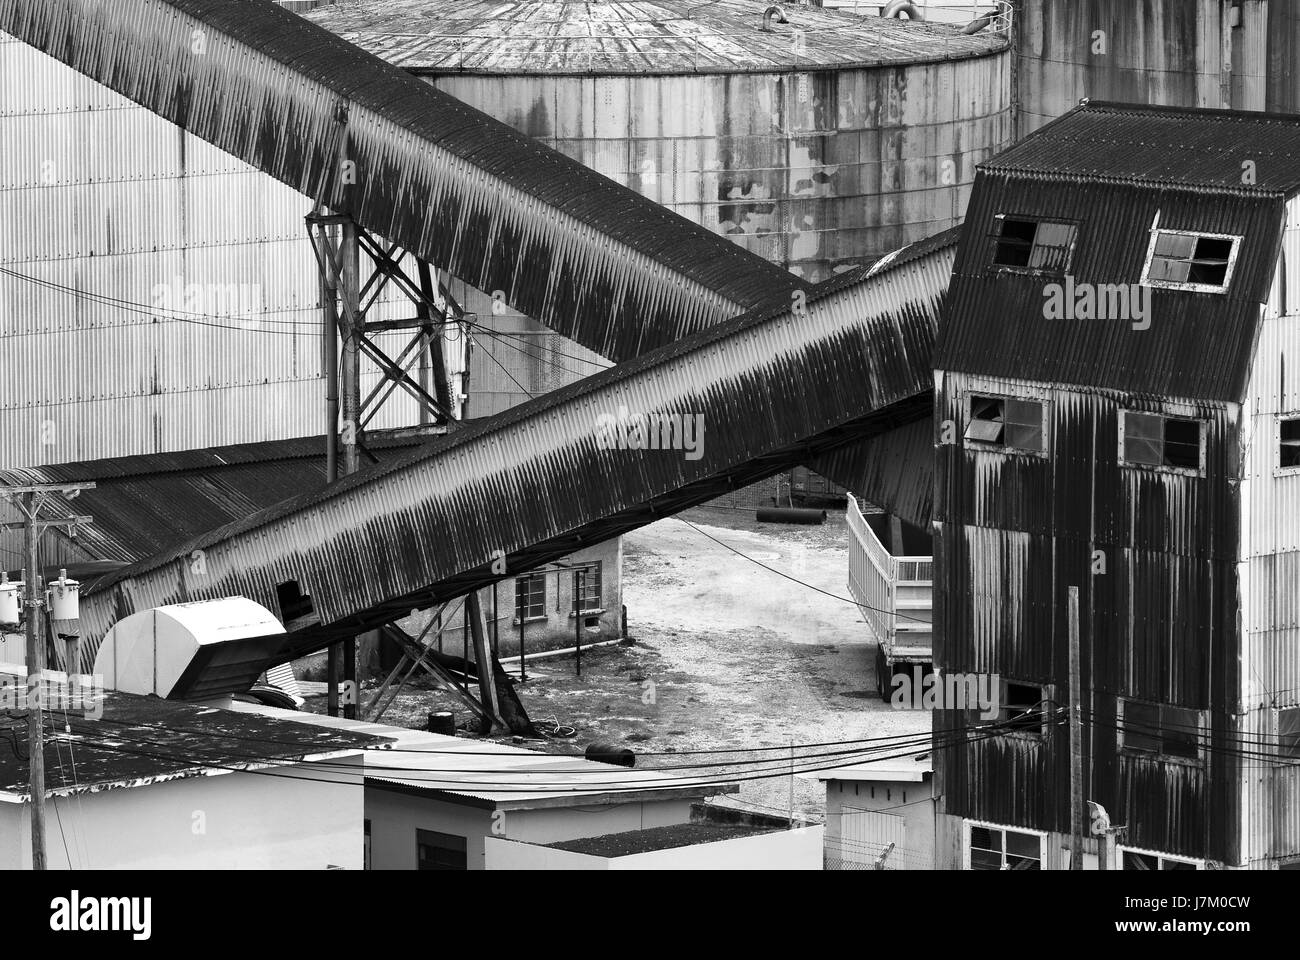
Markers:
<point>651,435</point>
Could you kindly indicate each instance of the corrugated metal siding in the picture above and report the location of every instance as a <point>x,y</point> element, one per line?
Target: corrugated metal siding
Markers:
<point>1269,560</point>
<point>133,206</point>
<point>1157,51</point>
<point>532,483</point>
<point>865,161</point>
<point>1014,532</point>
<point>594,261</point>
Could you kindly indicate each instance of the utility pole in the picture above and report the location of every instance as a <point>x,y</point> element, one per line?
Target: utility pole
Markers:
<point>30,501</point>
<point>1076,733</point>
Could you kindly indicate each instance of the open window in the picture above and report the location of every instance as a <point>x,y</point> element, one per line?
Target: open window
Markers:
<point>1288,443</point>
<point>1161,729</point>
<point>1022,707</point>
<point>1032,244</point>
<point>1288,733</point>
<point>1155,440</point>
<point>1006,422</point>
<point>294,604</point>
<point>1184,260</point>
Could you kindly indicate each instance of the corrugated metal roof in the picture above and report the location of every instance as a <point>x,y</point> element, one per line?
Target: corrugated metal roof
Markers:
<point>1198,345</point>
<point>143,504</point>
<point>1162,146</point>
<point>595,261</point>
<point>662,37</point>
<point>143,740</point>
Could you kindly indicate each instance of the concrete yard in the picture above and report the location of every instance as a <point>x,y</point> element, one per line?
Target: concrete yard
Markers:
<point>726,655</point>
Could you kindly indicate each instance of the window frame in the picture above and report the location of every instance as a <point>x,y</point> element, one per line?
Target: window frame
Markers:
<point>588,566</point>
<point>1292,752</point>
<point>1003,828</point>
<point>1045,693</point>
<point>420,841</point>
<point>968,407</point>
<point>1187,285</point>
<point>527,615</point>
<point>1279,468</point>
<point>1128,750</point>
<point>1202,429</point>
<point>994,237</point>
<point>1121,850</point>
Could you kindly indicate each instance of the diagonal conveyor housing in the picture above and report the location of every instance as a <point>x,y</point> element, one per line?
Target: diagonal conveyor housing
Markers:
<point>530,485</point>
<point>593,260</point>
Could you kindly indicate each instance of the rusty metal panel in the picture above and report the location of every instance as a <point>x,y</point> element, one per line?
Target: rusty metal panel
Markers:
<point>994,319</point>
<point>860,144</point>
<point>1168,52</point>
<point>533,483</point>
<point>593,260</point>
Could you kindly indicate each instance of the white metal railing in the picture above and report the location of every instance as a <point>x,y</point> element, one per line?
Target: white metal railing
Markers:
<point>875,573</point>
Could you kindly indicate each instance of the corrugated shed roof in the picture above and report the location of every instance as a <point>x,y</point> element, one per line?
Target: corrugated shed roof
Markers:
<point>666,36</point>
<point>1197,345</point>
<point>1169,146</point>
<point>143,504</point>
<point>143,740</point>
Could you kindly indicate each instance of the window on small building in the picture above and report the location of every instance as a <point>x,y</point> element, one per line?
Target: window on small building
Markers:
<point>530,596</point>
<point>1288,732</point>
<point>1006,422</point>
<point>1161,729</point>
<point>441,851</point>
<point>1144,860</point>
<point>1028,243</point>
<point>1000,848</point>
<point>587,586</point>
<point>365,856</point>
<point>1288,442</point>
<point>1022,707</point>
<point>1183,260</point>
<point>1157,440</point>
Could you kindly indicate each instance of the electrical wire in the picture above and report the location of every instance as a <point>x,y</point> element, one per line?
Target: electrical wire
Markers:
<point>779,573</point>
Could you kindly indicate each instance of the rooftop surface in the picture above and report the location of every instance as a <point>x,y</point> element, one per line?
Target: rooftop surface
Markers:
<point>142,740</point>
<point>146,503</point>
<point>660,838</point>
<point>663,37</point>
<point>487,774</point>
<point>1163,146</point>
<point>896,769</point>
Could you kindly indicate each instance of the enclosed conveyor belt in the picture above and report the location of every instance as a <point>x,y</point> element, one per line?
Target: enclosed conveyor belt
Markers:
<point>595,261</point>
<point>506,494</point>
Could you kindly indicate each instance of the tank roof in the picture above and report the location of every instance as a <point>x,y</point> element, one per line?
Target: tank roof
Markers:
<point>660,37</point>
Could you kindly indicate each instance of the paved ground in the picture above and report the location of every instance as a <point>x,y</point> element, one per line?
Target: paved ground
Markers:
<point>728,654</point>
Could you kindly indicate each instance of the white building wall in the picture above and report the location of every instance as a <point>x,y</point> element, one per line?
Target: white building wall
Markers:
<point>1269,564</point>
<point>395,818</point>
<point>246,821</point>
<point>799,849</point>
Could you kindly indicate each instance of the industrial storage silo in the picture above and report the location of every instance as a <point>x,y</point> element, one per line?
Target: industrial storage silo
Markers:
<point>814,138</point>
<point>1227,54</point>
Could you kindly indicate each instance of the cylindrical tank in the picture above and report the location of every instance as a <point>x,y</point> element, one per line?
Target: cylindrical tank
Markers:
<point>1226,54</point>
<point>443,722</point>
<point>818,143</point>
<point>609,753</point>
<point>10,600</point>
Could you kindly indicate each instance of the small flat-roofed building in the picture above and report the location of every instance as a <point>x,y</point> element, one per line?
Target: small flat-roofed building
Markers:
<point>880,815</point>
<point>432,801</point>
<point>160,784</point>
